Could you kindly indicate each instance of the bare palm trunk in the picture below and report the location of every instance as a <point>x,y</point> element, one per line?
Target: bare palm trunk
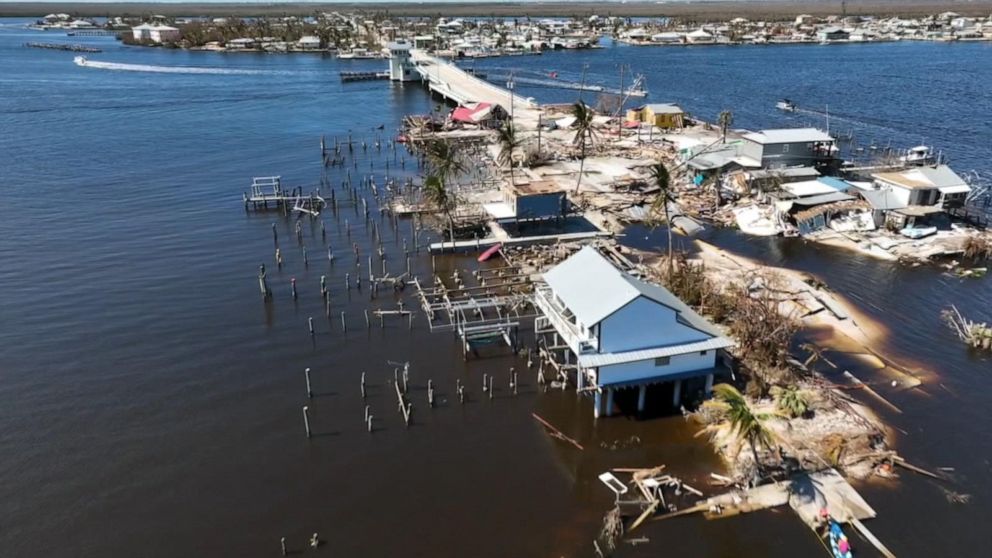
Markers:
<point>757,461</point>
<point>668,225</point>
<point>582,164</point>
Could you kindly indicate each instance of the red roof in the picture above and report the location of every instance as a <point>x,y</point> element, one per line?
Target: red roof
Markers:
<point>466,114</point>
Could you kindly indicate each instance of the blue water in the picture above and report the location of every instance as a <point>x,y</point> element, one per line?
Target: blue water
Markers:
<point>150,402</point>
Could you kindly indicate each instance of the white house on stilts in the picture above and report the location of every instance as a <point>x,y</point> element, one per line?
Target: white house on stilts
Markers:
<point>616,331</point>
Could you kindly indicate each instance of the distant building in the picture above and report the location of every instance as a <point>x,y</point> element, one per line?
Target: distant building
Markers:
<point>699,36</point>
<point>308,42</point>
<point>623,332</point>
<point>662,115</point>
<point>789,147</point>
<point>832,34</point>
<point>155,32</point>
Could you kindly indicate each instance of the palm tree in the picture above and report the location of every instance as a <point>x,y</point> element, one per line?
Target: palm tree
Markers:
<point>726,120</point>
<point>791,401</point>
<point>661,179</point>
<point>509,142</point>
<point>745,424</point>
<point>584,134</point>
<point>444,163</point>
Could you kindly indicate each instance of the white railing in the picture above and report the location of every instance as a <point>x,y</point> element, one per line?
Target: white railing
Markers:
<point>579,343</point>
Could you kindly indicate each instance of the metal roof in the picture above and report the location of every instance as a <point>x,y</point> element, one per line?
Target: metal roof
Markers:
<point>607,359</point>
<point>593,288</point>
<point>939,177</point>
<point>882,200</point>
<point>822,199</point>
<point>788,135</point>
<point>663,108</point>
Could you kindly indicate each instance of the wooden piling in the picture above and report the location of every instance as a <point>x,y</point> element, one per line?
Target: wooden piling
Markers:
<point>344,325</point>
<point>306,373</point>
<point>306,419</point>
<point>292,284</point>
<point>310,325</point>
<point>363,385</point>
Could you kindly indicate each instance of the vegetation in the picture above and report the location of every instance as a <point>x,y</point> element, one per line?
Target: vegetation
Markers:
<point>791,401</point>
<point>585,135</point>
<point>661,179</point>
<point>725,120</point>
<point>509,142</point>
<point>745,424</point>
<point>978,248</point>
<point>444,163</point>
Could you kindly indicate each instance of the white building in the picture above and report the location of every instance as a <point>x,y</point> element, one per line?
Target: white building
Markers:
<point>308,42</point>
<point>155,32</point>
<point>624,332</point>
<point>924,186</point>
<point>401,66</point>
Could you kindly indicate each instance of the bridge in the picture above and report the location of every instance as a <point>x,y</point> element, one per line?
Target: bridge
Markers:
<point>459,86</point>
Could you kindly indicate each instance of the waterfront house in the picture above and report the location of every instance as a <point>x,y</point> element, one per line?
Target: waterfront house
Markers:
<point>829,34</point>
<point>662,115</point>
<point>699,37</point>
<point>155,32</point>
<point>789,147</point>
<point>927,186</point>
<point>620,332</point>
<point>308,42</point>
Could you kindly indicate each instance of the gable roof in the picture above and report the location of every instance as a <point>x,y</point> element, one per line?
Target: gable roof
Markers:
<point>593,289</point>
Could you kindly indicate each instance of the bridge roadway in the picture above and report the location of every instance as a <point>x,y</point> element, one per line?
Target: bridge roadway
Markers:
<point>451,82</point>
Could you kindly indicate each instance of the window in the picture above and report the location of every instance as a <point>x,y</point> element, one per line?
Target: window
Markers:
<point>703,353</point>
<point>785,148</point>
<point>662,361</point>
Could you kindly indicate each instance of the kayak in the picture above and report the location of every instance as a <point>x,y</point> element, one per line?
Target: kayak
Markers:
<point>489,253</point>
<point>839,545</point>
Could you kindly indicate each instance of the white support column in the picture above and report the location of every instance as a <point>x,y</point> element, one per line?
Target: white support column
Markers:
<point>609,401</point>
<point>596,403</point>
<point>641,396</point>
<point>709,385</point>
<point>580,381</point>
<point>676,393</point>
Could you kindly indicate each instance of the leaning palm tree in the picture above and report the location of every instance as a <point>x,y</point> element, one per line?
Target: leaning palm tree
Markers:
<point>444,162</point>
<point>745,424</point>
<point>585,134</point>
<point>661,179</point>
<point>726,120</point>
<point>509,142</point>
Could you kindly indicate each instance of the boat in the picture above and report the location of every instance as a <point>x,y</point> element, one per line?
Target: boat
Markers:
<point>786,105</point>
<point>918,232</point>
<point>358,54</point>
<point>80,60</point>
<point>490,252</point>
<point>840,547</point>
<point>920,155</point>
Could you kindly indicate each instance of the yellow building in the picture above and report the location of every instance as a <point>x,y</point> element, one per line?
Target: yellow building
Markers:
<point>662,115</point>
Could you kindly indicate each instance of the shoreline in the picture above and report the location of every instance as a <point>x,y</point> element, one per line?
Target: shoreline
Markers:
<point>701,10</point>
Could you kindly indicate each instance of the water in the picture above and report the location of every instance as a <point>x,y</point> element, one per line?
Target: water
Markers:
<point>149,400</point>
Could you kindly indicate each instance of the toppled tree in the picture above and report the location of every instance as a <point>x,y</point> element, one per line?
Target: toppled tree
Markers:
<point>745,424</point>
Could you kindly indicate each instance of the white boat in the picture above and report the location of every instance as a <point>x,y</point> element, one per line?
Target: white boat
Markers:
<point>358,54</point>
<point>919,156</point>
<point>918,232</point>
<point>786,105</point>
<point>80,60</point>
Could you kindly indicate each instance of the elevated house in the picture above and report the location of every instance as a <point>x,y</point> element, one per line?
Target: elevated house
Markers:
<point>620,332</point>
<point>790,147</point>
<point>914,196</point>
